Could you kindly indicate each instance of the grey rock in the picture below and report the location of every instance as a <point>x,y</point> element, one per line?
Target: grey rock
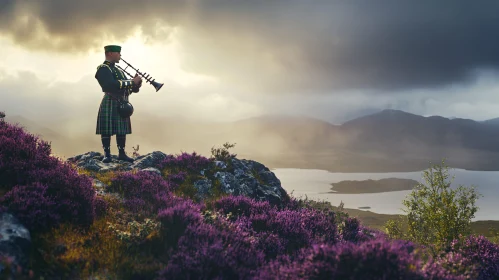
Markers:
<point>252,179</point>
<point>99,184</point>
<point>149,160</point>
<point>99,187</point>
<point>151,169</point>
<point>220,164</point>
<point>105,167</point>
<point>92,161</point>
<point>86,156</point>
<point>92,165</point>
<point>15,240</point>
<point>90,155</point>
<point>204,188</point>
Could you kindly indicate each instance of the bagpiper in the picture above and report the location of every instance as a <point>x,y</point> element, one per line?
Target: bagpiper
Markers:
<point>116,88</point>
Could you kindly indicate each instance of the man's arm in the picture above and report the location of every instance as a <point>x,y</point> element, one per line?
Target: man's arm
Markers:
<point>106,80</point>
<point>136,87</point>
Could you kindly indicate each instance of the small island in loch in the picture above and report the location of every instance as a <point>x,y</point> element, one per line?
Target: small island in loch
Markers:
<point>373,186</point>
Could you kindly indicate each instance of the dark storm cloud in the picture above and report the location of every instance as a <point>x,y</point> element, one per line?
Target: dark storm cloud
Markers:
<point>287,46</point>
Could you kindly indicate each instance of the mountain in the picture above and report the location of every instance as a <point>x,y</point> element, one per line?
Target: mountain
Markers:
<point>61,143</point>
<point>33,127</point>
<point>494,121</point>
<point>394,130</point>
<point>389,140</point>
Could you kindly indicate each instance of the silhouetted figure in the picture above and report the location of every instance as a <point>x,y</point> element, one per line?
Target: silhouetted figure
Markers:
<point>116,87</point>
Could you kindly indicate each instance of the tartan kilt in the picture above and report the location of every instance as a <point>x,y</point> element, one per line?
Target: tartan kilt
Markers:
<point>109,121</point>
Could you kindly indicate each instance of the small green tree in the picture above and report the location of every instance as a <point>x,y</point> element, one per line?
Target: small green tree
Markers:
<point>494,233</point>
<point>437,214</point>
<point>395,228</point>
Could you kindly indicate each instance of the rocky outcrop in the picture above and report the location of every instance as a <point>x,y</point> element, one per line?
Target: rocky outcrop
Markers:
<point>241,177</point>
<point>92,161</point>
<point>252,179</point>
<point>15,243</point>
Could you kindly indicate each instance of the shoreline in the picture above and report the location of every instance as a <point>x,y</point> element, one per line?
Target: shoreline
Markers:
<point>373,186</point>
<point>373,171</point>
<point>375,220</point>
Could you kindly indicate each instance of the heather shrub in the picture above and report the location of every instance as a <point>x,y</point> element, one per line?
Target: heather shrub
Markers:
<point>479,251</point>
<point>351,230</point>
<point>187,189</point>
<point>241,206</point>
<point>292,227</point>
<point>26,168</point>
<point>167,200</point>
<point>176,179</point>
<point>320,224</point>
<point>185,161</point>
<point>206,252</point>
<point>450,266</point>
<point>143,191</point>
<point>20,152</point>
<point>294,204</point>
<point>175,219</point>
<point>271,244</point>
<point>33,206</point>
<point>295,229</point>
<point>101,206</point>
<point>70,195</point>
<point>373,259</point>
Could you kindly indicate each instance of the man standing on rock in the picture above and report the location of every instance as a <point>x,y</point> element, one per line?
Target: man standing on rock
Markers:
<point>115,86</point>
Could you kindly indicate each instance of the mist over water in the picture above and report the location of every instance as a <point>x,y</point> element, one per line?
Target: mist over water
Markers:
<point>315,184</point>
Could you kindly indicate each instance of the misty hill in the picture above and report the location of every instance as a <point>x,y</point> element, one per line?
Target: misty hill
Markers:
<point>60,140</point>
<point>494,121</point>
<point>390,140</point>
<point>33,127</point>
<point>393,130</point>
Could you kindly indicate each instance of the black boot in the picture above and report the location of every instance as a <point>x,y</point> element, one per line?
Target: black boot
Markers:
<point>120,140</point>
<point>106,143</point>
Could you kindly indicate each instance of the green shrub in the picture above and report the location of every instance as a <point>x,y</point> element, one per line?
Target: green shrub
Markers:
<point>223,154</point>
<point>436,214</point>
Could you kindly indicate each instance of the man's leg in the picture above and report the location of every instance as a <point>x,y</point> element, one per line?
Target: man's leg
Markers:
<point>120,141</point>
<point>106,144</point>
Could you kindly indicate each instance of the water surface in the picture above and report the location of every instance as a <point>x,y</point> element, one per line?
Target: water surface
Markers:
<point>316,183</point>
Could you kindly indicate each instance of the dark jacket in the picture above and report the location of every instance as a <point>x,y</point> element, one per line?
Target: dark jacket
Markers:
<point>112,80</point>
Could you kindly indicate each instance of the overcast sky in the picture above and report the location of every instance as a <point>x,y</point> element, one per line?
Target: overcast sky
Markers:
<point>226,60</point>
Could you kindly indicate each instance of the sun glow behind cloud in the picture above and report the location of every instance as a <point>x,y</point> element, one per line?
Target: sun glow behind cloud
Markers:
<point>162,61</point>
<point>231,61</point>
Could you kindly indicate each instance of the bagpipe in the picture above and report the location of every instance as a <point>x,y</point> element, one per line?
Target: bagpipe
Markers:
<point>156,85</point>
<point>126,108</point>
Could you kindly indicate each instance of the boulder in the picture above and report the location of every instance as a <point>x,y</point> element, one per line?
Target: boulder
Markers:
<point>251,179</point>
<point>15,242</point>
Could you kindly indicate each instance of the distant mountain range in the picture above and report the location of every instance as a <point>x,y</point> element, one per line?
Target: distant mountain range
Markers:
<point>390,140</point>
